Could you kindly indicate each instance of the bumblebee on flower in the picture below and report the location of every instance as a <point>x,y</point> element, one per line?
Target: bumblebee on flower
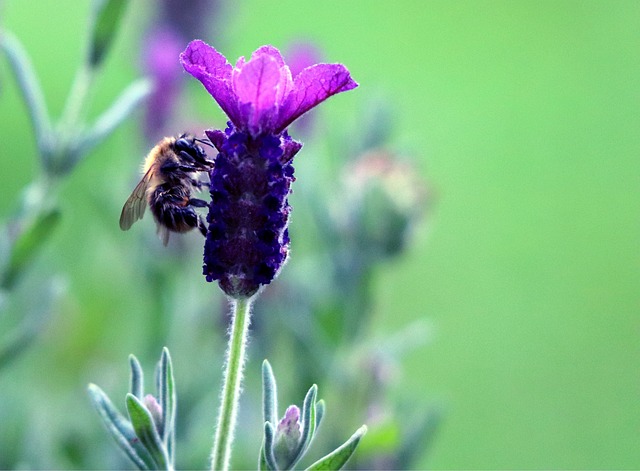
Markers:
<point>247,241</point>
<point>246,244</point>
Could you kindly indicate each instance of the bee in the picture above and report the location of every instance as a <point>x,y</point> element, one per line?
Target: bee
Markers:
<point>166,187</point>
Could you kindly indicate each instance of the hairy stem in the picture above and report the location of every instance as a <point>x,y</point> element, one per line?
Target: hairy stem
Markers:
<point>221,452</point>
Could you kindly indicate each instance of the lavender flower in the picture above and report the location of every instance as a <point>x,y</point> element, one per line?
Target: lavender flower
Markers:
<point>247,241</point>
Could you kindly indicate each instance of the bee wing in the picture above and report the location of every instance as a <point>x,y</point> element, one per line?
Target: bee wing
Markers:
<point>134,208</point>
<point>164,234</point>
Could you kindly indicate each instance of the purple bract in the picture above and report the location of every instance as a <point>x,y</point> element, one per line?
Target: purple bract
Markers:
<point>247,241</point>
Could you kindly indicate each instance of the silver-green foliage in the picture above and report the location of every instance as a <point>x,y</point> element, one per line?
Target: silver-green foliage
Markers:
<point>147,435</point>
<point>278,452</point>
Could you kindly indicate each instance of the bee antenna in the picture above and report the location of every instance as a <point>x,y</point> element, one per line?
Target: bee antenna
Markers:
<point>206,142</point>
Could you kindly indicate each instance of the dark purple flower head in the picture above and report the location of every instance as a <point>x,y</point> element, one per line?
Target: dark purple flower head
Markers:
<point>260,96</point>
<point>247,240</point>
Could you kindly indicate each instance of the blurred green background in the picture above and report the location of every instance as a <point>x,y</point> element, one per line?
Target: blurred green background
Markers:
<point>524,116</point>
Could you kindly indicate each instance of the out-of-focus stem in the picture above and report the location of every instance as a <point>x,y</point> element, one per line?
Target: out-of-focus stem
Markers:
<point>221,453</point>
<point>74,106</point>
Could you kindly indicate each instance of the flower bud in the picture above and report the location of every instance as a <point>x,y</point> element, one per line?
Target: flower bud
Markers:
<point>386,200</point>
<point>151,403</point>
<point>287,438</point>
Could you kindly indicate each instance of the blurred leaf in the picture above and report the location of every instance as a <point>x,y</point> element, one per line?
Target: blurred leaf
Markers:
<point>31,92</point>
<point>5,249</point>
<point>15,342</point>
<point>120,429</point>
<point>375,126</point>
<point>128,101</point>
<point>339,457</point>
<point>26,246</point>
<point>382,438</point>
<point>137,378</point>
<point>108,15</point>
<point>269,394</point>
<point>419,438</point>
<point>145,429</point>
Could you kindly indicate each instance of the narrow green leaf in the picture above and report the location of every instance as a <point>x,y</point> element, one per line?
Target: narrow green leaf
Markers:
<point>16,341</point>
<point>137,378</point>
<point>308,419</point>
<point>308,425</point>
<point>31,92</point>
<point>339,457</point>
<point>5,248</point>
<point>120,429</point>
<point>167,395</point>
<point>128,101</point>
<point>107,17</point>
<point>320,408</point>
<point>31,238</point>
<point>145,429</point>
<point>269,394</point>
<point>266,453</point>
<point>262,461</point>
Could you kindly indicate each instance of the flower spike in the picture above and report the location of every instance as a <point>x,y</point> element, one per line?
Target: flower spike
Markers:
<point>247,241</point>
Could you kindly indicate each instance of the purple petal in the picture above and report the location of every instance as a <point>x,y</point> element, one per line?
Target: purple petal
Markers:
<point>311,87</point>
<point>247,120</point>
<point>270,51</point>
<point>212,69</point>
<point>285,83</point>
<point>216,137</point>
<point>257,83</point>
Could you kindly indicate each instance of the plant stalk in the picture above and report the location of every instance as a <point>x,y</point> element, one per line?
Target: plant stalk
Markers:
<point>221,453</point>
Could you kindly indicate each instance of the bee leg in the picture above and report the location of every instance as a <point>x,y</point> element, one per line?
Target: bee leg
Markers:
<point>198,203</point>
<point>187,157</point>
<point>169,167</point>
<point>202,226</point>
<point>199,184</point>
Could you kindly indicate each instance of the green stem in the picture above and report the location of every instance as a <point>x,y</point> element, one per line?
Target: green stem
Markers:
<point>221,452</point>
<point>70,125</point>
<point>76,100</point>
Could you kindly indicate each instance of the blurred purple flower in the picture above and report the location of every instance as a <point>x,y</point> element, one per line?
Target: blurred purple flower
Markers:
<point>301,55</point>
<point>191,18</point>
<point>159,60</point>
<point>174,25</point>
<point>247,241</point>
